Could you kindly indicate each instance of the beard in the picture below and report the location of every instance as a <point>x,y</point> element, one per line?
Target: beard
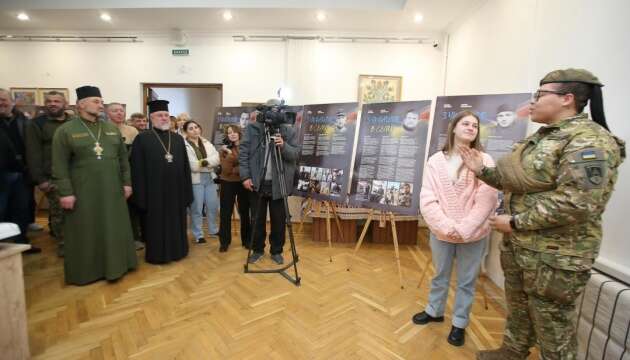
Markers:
<point>55,113</point>
<point>164,127</point>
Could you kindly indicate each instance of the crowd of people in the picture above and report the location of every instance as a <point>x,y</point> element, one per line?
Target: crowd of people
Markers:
<point>109,184</point>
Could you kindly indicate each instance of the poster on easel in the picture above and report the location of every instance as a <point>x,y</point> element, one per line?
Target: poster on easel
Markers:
<point>504,120</point>
<point>226,116</point>
<point>326,138</point>
<point>389,158</point>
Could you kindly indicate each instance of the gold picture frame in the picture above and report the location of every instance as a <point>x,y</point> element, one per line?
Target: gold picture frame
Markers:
<point>379,89</point>
<point>41,93</point>
<point>24,96</point>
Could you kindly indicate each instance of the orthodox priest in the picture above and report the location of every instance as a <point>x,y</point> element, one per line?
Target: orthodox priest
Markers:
<point>162,184</point>
<point>90,169</point>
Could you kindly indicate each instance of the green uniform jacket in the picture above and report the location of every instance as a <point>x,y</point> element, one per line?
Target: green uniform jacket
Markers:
<point>39,137</point>
<point>97,232</point>
<point>564,224</point>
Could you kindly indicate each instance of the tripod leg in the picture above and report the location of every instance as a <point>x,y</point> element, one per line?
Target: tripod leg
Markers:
<point>334,210</point>
<point>395,237</point>
<point>328,231</point>
<point>365,229</point>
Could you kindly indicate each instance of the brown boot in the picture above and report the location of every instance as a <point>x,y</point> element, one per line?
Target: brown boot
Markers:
<point>501,353</point>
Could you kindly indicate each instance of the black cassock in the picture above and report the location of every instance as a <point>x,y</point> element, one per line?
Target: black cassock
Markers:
<point>162,191</point>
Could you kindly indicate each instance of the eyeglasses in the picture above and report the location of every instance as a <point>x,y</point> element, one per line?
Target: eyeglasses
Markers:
<point>540,93</point>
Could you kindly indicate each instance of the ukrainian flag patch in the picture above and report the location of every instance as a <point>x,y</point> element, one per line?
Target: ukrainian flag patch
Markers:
<point>589,155</point>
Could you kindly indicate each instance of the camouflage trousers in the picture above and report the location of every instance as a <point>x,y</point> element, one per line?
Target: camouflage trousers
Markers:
<point>56,214</point>
<point>541,302</point>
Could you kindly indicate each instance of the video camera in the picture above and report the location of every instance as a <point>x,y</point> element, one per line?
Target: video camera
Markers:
<point>275,115</point>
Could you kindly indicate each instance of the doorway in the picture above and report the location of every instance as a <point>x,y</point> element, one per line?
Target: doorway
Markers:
<point>200,101</point>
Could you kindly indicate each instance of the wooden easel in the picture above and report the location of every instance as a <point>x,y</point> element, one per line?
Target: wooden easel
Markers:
<point>315,206</point>
<point>383,218</point>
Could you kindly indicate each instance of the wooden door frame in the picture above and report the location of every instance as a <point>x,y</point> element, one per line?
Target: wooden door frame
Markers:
<point>146,86</point>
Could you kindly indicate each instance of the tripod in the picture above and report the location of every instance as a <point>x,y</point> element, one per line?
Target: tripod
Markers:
<point>279,166</point>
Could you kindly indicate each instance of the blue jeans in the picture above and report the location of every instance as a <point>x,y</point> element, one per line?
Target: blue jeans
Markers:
<point>469,256</point>
<point>204,193</point>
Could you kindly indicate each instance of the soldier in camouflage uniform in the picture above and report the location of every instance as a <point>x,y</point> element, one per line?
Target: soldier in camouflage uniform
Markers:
<point>557,183</point>
<point>39,135</point>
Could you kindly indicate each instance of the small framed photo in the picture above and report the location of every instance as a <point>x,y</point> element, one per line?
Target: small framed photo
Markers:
<point>379,88</point>
<point>41,94</point>
<point>24,96</point>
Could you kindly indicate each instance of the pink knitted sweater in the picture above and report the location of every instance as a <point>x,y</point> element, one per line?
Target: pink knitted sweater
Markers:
<point>463,206</point>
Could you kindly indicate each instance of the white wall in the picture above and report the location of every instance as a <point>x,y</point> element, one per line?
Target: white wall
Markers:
<point>508,45</point>
<point>250,72</point>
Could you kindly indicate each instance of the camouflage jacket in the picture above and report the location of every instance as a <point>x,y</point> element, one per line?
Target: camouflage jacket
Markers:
<point>564,224</point>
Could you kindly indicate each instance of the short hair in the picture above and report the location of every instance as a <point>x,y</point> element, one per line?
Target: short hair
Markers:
<point>115,103</point>
<point>3,90</point>
<point>138,115</point>
<point>184,116</point>
<point>55,93</point>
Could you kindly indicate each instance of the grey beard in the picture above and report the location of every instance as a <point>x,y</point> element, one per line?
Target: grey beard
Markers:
<point>164,127</point>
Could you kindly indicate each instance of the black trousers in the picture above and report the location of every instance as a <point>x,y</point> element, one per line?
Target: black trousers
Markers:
<point>231,191</point>
<point>278,221</point>
<point>15,205</point>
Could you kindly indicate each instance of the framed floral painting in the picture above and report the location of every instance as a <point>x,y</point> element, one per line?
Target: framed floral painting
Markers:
<point>379,88</point>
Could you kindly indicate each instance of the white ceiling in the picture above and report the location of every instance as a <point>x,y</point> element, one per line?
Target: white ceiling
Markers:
<point>357,16</point>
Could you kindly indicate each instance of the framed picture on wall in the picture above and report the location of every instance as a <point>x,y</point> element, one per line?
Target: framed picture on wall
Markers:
<point>379,88</point>
<point>24,96</point>
<point>41,93</point>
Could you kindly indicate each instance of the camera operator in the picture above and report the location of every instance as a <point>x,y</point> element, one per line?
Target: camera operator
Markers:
<point>266,186</point>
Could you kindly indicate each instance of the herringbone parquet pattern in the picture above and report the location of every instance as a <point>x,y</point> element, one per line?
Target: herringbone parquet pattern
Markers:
<point>205,307</point>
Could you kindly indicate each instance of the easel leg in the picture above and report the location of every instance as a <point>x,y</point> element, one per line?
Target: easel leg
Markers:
<point>334,210</point>
<point>305,211</point>
<point>328,231</point>
<point>365,229</point>
<point>395,237</point>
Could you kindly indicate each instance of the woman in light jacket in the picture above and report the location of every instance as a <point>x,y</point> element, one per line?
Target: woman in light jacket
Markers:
<point>203,159</point>
<point>456,206</point>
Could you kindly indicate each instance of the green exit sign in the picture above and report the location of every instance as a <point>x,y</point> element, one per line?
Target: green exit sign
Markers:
<point>181,52</point>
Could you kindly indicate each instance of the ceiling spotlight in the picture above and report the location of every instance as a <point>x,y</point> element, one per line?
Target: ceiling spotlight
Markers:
<point>23,17</point>
<point>321,16</point>
<point>227,15</point>
<point>106,17</point>
<point>418,18</point>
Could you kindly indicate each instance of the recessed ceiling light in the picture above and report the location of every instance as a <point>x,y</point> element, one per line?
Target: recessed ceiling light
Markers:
<point>23,17</point>
<point>227,15</point>
<point>418,18</point>
<point>321,16</point>
<point>106,17</point>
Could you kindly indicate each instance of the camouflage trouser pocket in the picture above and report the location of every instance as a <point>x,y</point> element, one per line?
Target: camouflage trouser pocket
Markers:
<point>558,285</point>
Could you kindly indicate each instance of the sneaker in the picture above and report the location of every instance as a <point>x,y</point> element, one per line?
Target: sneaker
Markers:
<point>456,337</point>
<point>35,227</point>
<point>424,318</point>
<point>254,257</point>
<point>139,245</point>
<point>277,258</point>
<point>201,241</point>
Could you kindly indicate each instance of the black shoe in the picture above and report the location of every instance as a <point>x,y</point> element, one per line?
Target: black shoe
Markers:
<point>424,318</point>
<point>33,250</point>
<point>223,248</point>
<point>201,241</point>
<point>456,337</point>
<point>245,246</point>
<point>254,257</point>
<point>277,258</point>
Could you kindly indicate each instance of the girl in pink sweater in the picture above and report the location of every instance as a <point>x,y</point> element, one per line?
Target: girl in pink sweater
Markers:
<point>456,206</point>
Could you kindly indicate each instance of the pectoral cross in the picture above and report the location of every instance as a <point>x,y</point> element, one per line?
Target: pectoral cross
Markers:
<point>98,150</point>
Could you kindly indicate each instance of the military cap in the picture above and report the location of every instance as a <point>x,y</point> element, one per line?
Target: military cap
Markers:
<point>571,75</point>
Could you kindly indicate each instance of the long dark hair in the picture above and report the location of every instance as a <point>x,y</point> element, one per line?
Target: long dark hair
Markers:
<point>450,142</point>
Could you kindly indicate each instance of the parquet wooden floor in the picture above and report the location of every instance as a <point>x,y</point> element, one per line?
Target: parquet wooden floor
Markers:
<point>205,307</point>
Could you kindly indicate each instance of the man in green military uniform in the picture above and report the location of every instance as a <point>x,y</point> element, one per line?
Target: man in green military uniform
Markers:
<point>39,136</point>
<point>91,172</point>
<point>557,183</point>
